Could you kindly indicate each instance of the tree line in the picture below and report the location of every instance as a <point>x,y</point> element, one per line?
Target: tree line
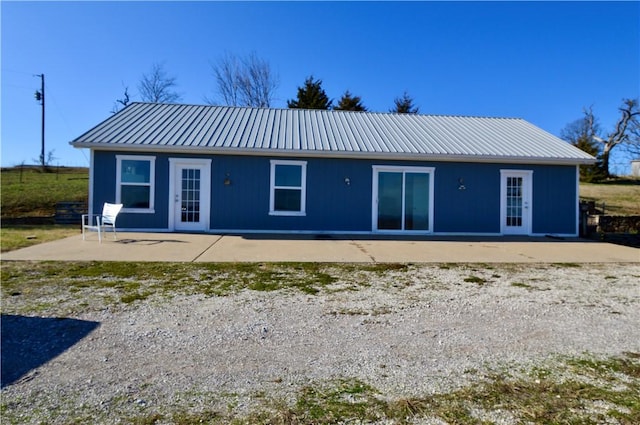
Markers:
<point>249,81</point>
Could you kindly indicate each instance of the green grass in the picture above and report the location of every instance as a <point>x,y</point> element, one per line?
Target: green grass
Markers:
<point>566,390</point>
<point>475,279</point>
<point>620,197</point>
<point>569,391</point>
<point>521,285</point>
<point>84,286</point>
<point>22,236</point>
<point>31,192</point>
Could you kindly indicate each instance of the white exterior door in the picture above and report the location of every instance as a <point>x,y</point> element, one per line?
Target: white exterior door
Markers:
<point>189,194</point>
<point>515,202</point>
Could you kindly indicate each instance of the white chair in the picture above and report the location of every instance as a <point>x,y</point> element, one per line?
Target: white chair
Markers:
<point>107,218</point>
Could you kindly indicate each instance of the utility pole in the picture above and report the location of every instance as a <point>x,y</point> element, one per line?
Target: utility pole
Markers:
<point>39,95</point>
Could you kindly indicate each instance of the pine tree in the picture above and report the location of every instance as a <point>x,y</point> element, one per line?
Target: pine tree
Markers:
<point>350,103</point>
<point>311,96</point>
<point>595,172</point>
<point>404,105</point>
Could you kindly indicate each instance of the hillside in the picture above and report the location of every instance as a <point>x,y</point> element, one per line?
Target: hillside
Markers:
<point>29,192</point>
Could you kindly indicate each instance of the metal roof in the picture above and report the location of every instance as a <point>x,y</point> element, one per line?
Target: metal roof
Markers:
<point>302,132</point>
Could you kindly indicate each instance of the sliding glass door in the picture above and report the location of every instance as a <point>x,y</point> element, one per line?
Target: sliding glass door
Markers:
<point>402,198</point>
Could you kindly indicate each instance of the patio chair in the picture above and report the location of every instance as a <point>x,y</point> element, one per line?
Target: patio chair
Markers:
<point>102,221</point>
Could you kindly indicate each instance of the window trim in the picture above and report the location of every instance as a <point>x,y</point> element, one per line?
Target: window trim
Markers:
<point>302,188</point>
<point>151,184</point>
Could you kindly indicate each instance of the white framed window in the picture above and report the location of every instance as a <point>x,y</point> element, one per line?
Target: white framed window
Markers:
<point>135,183</point>
<point>288,184</point>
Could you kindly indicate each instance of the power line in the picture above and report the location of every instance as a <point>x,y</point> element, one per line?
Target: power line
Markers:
<point>17,72</point>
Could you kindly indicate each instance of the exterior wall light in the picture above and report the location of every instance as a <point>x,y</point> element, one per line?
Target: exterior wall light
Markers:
<point>227,180</point>
<point>347,181</point>
<point>461,185</point>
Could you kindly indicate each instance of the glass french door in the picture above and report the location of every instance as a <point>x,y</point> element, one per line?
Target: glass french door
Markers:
<point>403,199</point>
<point>191,195</point>
<point>515,208</point>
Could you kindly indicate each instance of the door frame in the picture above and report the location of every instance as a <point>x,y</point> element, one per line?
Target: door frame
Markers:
<point>374,196</point>
<point>527,202</point>
<point>205,190</point>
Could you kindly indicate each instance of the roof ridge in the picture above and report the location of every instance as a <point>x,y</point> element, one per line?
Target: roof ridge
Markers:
<point>324,110</point>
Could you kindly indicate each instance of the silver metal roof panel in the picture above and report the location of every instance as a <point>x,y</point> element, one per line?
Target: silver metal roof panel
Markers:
<point>303,132</point>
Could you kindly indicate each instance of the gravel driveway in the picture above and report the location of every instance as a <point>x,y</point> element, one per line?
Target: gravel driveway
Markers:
<point>408,332</point>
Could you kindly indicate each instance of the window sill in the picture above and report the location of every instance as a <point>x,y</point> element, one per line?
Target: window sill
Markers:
<point>138,211</point>
<point>288,213</point>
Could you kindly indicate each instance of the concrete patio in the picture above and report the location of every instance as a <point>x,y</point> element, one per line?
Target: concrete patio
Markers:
<point>181,247</point>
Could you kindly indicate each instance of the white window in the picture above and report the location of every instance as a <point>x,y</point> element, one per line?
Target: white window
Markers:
<point>288,187</point>
<point>135,183</point>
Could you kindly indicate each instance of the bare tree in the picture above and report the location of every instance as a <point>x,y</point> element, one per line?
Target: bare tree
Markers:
<point>623,133</point>
<point>580,133</point>
<point>121,103</point>
<point>226,72</point>
<point>245,81</point>
<point>157,86</point>
<point>633,142</point>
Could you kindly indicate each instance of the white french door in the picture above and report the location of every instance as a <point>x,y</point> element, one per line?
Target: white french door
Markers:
<point>515,202</point>
<point>402,199</point>
<point>189,194</point>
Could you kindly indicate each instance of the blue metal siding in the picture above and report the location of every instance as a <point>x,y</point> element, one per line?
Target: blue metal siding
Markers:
<point>104,178</point>
<point>104,190</point>
<point>554,200</point>
<point>332,205</point>
<point>474,209</point>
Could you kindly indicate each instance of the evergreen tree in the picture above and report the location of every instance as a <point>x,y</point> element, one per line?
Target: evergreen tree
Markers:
<point>404,105</point>
<point>350,103</point>
<point>311,96</point>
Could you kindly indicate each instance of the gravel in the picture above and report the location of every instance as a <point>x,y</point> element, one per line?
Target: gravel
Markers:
<point>407,332</point>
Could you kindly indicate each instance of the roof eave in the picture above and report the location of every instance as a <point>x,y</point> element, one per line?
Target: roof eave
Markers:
<point>334,154</point>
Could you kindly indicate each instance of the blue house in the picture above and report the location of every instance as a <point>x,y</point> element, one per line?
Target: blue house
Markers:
<point>234,169</point>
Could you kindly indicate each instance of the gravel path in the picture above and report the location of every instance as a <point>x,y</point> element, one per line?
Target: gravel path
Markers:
<point>428,329</point>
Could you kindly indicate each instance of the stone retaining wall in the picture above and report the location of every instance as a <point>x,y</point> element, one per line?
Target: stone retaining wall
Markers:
<point>614,223</point>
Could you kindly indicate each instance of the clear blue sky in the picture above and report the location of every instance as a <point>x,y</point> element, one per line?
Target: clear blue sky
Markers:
<point>541,61</point>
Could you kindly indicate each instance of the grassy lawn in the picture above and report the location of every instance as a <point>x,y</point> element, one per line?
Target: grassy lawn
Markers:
<point>620,197</point>
<point>22,236</point>
<point>30,192</point>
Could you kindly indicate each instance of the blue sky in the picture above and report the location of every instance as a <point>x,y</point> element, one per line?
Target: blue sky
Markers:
<point>541,61</point>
